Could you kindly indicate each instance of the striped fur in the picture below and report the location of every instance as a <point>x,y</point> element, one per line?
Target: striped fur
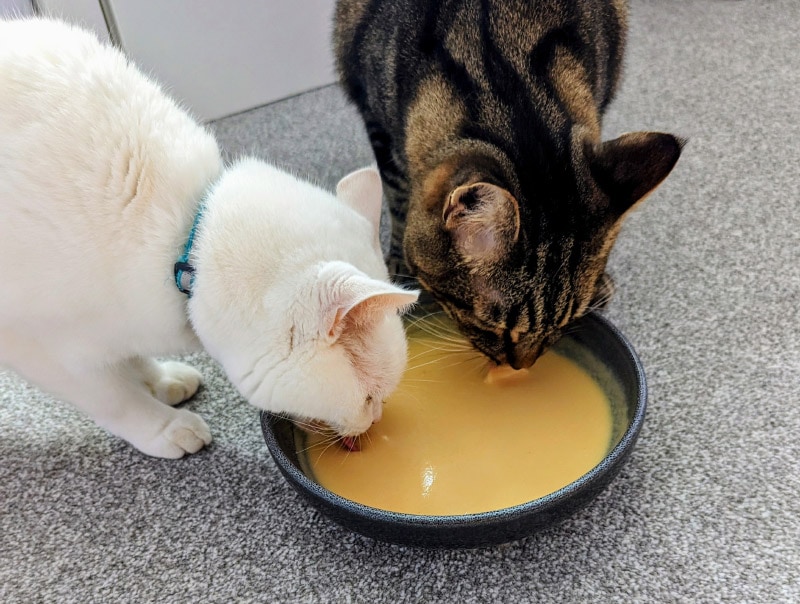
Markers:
<point>485,119</point>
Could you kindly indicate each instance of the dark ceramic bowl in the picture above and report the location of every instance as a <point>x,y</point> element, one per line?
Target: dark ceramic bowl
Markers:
<point>601,350</point>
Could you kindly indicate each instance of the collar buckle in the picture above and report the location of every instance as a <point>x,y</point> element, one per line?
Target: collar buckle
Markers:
<point>184,277</point>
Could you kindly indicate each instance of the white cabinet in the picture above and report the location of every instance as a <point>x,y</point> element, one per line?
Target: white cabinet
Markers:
<point>219,57</point>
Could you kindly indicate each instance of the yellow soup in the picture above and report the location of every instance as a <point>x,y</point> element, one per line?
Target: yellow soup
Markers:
<point>452,441</point>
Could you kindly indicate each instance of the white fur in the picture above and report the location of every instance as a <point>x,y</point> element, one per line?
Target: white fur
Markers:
<point>100,177</point>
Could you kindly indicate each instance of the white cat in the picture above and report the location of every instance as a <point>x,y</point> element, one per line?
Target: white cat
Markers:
<point>101,178</point>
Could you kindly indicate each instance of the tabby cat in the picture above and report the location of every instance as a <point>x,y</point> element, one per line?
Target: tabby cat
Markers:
<point>485,120</point>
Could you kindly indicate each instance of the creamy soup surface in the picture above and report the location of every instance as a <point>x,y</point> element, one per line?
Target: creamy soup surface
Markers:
<point>453,442</point>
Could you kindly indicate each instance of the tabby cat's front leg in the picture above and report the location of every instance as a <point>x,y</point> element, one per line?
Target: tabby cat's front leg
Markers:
<point>398,209</point>
<point>395,187</point>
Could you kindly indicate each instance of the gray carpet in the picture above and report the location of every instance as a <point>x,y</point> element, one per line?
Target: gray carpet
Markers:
<point>708,277</point>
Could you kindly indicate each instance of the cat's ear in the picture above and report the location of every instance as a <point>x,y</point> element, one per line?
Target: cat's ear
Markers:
<point>352,298</point>
<point>362,190</point>
<point>631,166</point>
<point>483,221</point>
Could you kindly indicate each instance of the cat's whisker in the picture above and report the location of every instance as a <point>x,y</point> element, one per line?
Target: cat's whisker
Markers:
<point>443,349</point>
<point>435,361</point>
<point>456,342</point>
<point>402,278</point>
<point>334,440</point>
<point>435,327</point>
<point>311,426</point>
<point>413,393</point>
<point>418,355</point>
<point>450,348</point>
<point>316,445</point>
<point>417,322</point>
<point>453,341</point>
<point>367,436</point>
<point>455,363</point>
<point>434,353</point>
<point>323,437</point>
<point>349,450</point>
<point>428,345</point>
<point>421,365</point>
<point>600,303</point>
<point>570,329</point>
<point>446,336</point>
<point>422,380</point>
<point>441,320</point>
<point>431,317</point>
<point>325,443</point>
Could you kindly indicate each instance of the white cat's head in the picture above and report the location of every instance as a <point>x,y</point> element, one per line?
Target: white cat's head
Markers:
<point>292,297</point>
<point>346,349</point>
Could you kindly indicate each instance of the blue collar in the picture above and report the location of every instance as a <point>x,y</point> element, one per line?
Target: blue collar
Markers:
<point>184,270</point>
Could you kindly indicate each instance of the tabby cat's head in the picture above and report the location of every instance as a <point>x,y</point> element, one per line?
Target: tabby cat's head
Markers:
<point>514,263</point>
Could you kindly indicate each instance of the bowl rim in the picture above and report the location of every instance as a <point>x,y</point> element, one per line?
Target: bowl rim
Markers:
<point>301,481</point>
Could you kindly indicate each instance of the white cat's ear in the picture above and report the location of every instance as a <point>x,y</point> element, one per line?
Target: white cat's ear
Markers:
<point>483,221</point>
<point>362,190</point>
<point>353,298</point>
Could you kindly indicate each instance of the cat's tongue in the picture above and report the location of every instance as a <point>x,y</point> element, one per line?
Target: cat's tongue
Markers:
<point>350,443</point>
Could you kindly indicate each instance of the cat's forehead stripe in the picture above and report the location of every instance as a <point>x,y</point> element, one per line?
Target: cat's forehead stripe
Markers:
<point>512,317</point>
<point>521,325</point>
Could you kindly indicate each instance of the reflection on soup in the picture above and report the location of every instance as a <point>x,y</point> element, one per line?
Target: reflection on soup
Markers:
<point>456,440</point>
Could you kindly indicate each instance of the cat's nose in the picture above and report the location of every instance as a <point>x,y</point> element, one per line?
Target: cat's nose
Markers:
<point>519,364</point>
<point>522,358</point>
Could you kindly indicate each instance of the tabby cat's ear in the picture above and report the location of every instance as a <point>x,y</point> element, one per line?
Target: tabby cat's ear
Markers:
<point>483,221</point>
<point>353,298</point>
<point>631,166</point>
<point>362,191</point>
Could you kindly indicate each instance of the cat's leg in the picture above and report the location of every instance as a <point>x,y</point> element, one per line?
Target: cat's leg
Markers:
<point>116,396</point>
<point>171,382</point>
<point>395,186</point>
<point>120,399</point>
<point>398,209</point>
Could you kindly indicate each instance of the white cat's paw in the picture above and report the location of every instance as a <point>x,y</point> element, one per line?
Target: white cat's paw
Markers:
<point>186,433</point>
<point>177,383</point>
